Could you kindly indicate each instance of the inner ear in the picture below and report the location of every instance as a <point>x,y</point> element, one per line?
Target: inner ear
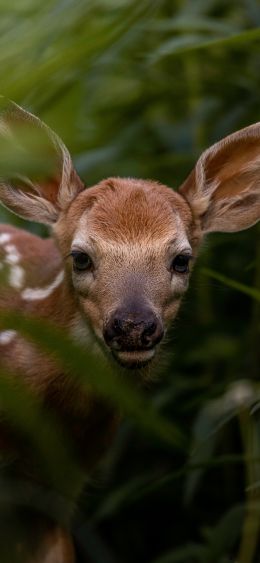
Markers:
<point>45,187</point>
<point>37,180</point>
<point>224,188</point>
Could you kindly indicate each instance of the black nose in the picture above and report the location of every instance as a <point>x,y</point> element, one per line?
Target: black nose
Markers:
<point>133,330</point>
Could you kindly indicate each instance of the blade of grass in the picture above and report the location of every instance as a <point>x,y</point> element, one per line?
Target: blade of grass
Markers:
<point>250,291</point>
<point>189,45</point>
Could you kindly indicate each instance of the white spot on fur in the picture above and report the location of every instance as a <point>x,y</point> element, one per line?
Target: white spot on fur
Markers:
<point>12,254</point>
<point>12,258</point>
<point>6,336</point>
<point>39,293</point>
<point>5,238</point>
<point>16,277</point>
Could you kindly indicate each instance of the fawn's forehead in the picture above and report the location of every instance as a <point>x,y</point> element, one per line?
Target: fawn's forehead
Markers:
<point>118,212</point>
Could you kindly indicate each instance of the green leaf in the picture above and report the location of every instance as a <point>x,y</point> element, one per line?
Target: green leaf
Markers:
<point>192,43</point>
<point>250,291</point>
<point>196,23</point>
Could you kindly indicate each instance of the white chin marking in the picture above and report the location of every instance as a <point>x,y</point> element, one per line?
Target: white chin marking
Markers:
<point>6,336</point>
<point>136,356</point>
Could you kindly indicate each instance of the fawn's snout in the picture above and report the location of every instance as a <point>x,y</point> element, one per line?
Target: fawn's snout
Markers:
<point>133,331</point>
<point>133,334</point>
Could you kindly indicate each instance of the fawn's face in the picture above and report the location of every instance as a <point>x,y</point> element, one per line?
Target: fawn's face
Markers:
<point>129,256</point>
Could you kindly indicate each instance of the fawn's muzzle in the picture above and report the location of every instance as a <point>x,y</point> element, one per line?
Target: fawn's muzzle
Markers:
<point>133,331</point>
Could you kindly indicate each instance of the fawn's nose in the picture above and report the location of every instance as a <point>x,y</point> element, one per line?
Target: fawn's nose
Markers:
<point>129,331</point>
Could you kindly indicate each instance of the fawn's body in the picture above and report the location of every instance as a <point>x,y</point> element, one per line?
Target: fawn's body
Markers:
<point>115,274</point>
<point>82,417</point>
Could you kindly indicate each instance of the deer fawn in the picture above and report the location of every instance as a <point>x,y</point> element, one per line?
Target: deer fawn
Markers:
<point>114,272</point>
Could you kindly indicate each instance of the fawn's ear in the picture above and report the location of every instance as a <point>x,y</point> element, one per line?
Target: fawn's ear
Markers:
<point>37,178</point>
<point>223,190</point>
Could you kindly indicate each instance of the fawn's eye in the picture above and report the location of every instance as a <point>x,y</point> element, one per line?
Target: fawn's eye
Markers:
<point>81,261</point>
<point>180,263</point>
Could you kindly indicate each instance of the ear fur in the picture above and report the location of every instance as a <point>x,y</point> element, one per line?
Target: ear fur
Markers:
<point>224,188</point>
<point>28,143</point>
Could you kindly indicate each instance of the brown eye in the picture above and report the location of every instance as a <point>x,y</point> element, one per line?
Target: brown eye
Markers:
<point>81,261</point>
<point>180,263</point>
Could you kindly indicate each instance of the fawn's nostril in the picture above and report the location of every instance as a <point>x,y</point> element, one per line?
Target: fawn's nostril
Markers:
<point>117,326</point>
<point>149,329</point>
<point>147,334</point>
<point>152,334</point>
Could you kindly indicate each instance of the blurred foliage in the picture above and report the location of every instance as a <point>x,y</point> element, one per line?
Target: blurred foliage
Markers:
<point>140,89</point>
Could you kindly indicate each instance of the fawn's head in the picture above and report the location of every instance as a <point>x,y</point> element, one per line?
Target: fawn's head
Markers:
<point>128,245</point>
